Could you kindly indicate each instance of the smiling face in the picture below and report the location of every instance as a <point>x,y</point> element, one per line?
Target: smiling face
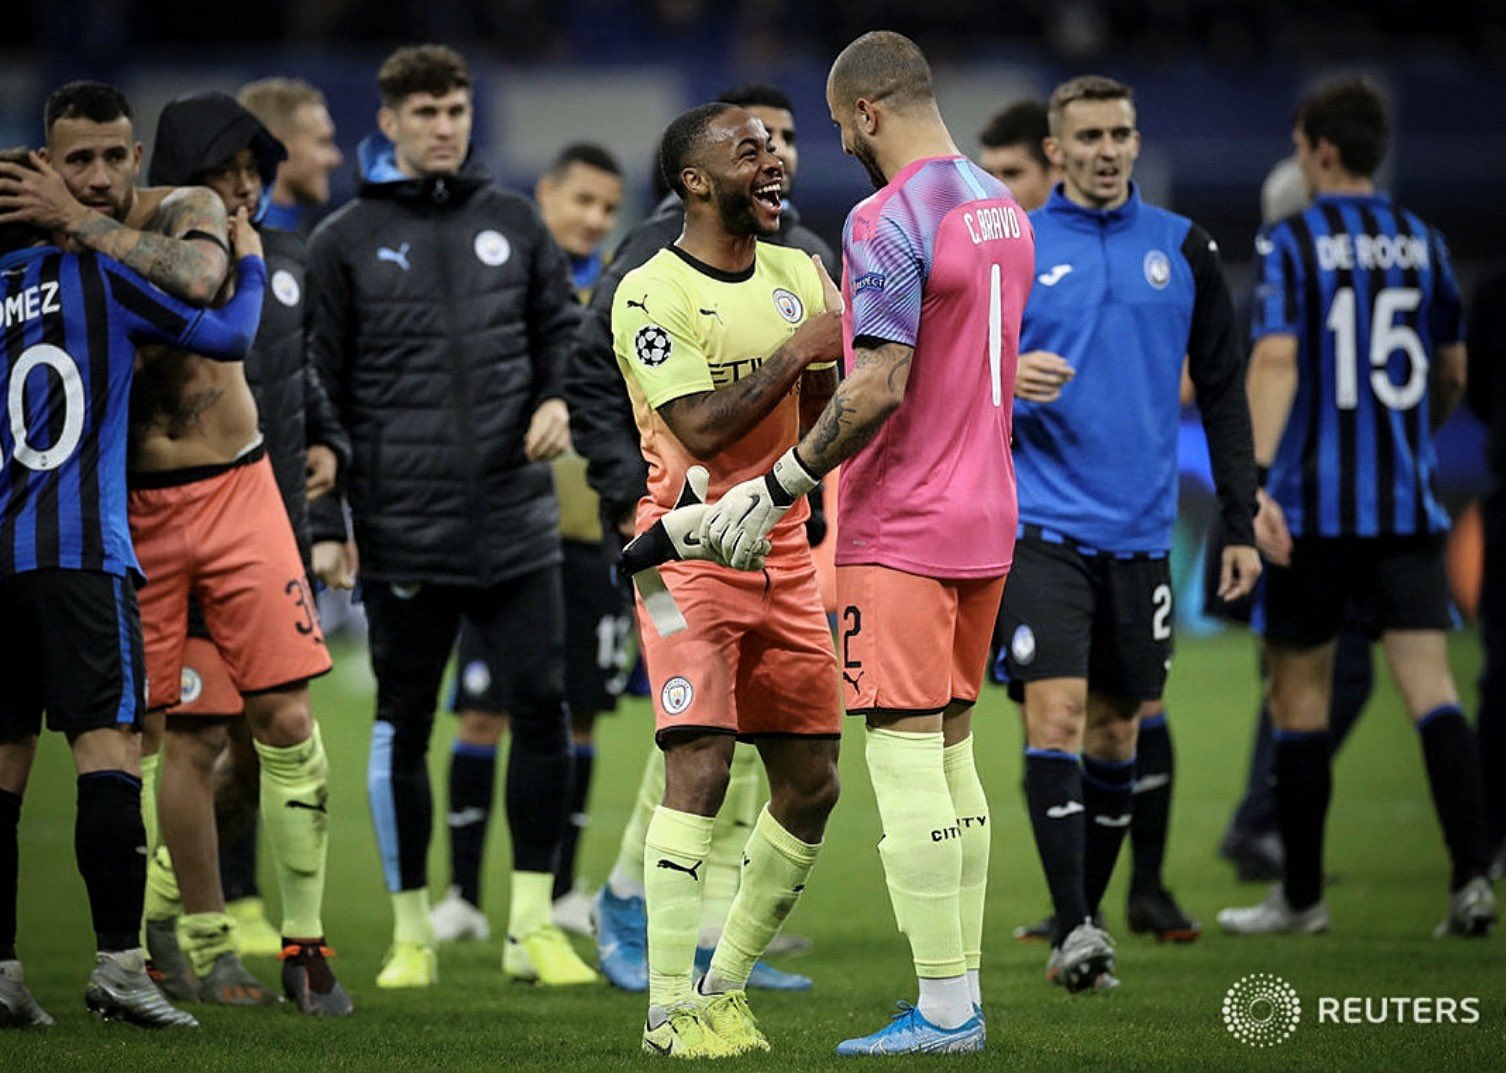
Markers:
<point>780,124</point>
<point>430,133</point>
<point>1096,145</point>
<point>738,169</point>
<point>238,182</point>
<point>98,161</point>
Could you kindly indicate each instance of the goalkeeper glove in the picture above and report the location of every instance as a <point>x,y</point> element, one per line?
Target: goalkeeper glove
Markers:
<point>737,525</point>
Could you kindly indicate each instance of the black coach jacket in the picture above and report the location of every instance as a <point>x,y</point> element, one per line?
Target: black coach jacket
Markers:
<point>440,317</point>
<point>294,408</point>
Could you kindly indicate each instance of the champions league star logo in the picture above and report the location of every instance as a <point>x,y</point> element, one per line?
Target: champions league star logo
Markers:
<point>789,306</point>
<point>1157,269</point>
<point>1262,1010</point>
<point>652,345</point>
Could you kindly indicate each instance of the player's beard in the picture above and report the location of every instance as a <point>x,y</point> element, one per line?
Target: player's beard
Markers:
<point>735,207</point>
<point>862,149</point>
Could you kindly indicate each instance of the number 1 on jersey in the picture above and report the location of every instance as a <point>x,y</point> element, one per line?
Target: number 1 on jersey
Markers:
<point>996,333</point>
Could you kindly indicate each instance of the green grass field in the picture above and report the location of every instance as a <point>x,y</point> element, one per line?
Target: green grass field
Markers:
<point>1385,851</point>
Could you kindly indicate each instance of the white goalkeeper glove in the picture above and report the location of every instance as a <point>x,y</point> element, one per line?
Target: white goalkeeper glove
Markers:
<point>737,525</point>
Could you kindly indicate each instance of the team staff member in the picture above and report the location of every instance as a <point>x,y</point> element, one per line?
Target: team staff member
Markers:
<point>1359,355</point>
<point>601,418</point>
<point>72,637</point>
<point>578,199</point>
<point>716,336</point>
<point>1086,619</point>
<point>296,114</point>
<point>441,313</point>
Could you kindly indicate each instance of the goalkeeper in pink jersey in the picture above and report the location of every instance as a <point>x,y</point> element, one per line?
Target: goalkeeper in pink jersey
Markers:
<point>936,270</point>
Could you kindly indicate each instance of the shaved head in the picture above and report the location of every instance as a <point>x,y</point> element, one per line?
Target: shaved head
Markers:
<point>881,66</point>
<point>684,141</point>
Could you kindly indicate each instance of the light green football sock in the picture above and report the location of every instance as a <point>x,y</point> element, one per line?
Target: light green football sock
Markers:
<point>204,937</point>
<point>410,918</point>
<point>294,807</point>
<point>734,823</point>
<point>776,869</point>
<point>626,879</point>
<point>528,908</point>
<point>971,806</point>
<point>675,848</point>
<point>921,849</point>
<point>163,901</point>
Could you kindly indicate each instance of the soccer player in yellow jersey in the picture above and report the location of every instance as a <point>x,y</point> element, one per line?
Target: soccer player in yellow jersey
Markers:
<point>726,344</point>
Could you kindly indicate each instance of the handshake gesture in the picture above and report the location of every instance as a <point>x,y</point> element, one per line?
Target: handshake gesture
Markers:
<point>733,531</point>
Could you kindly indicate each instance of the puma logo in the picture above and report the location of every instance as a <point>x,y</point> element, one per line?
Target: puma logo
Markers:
<point>850,680</point>
<point>398,256</point>
<point>315,807</point>
<point>707,313</point>
<point>641,304</point>
<point>692,871</point>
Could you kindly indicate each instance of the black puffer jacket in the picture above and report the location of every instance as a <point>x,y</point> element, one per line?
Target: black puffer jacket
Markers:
<point>601,414</point>
<point>294,408</point>
<point>440,317</point>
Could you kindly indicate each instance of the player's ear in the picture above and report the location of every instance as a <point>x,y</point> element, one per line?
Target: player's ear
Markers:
<point>387,123</point>
<point>1053,150</point>
<point>695,181</point>
<point>866,116</point>
<point>137,153</point>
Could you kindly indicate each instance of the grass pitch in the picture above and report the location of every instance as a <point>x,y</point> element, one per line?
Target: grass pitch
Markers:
<point>1384,850</point>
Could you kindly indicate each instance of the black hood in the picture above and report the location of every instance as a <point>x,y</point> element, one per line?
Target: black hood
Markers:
<point>199,131</point>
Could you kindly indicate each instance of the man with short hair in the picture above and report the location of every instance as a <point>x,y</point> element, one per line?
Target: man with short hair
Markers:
<point>68,573</point>
<point>1013,151</point>
<point>936,270</point>
<point>1359,354</point>
<point>441,315</point>
<point>296,114</point>
<point>604,431</point>
<point>578,198</point>
<point>1126,293</point>
<point>728,349</point>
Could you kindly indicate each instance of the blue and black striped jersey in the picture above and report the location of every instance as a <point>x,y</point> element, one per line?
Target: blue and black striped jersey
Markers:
<point>1366,289</point>
<point>69,327</point>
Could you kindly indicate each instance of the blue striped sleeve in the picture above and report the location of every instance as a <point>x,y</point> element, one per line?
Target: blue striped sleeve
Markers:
<point>1446,315</point>
<point>1278,284</point>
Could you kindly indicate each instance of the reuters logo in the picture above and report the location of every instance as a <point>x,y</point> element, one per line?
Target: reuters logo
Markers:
<point>1262,1010</point>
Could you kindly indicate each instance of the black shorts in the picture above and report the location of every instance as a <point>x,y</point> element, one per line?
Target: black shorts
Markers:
<point>1095,615</point>
<point>598,623</point>
<point>70,645</point>
<point>1386,582</point>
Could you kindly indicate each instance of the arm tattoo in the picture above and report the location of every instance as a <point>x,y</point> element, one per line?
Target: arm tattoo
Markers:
<point>859,408</point>
<point>191,269</point>
<point>730,413</point>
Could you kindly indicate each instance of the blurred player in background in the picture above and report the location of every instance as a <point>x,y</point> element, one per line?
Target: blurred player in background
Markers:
<point>1358,357</point>
<point>936,270</point>
<point>578,199</point>
<point>296,114</point>
<point>1014,153</point>
<point>1125,292</point>
<point>601,416</point>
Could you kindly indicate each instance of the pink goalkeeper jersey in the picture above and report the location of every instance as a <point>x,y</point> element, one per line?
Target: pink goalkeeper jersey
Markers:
<point>941,260</point>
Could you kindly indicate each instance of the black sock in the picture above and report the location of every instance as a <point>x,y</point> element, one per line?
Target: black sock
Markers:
<point>1304,782</point>
<point>1257,811</point>
<point>1353,682</point>
<point>109,842</point>
<point>582,756</point>
<point>10,820</point>
<point>238,865</point>
<point>1108,788</point>
<point>538,784</point>
<point>473,776</point>
<point>1053,787</point>
<point>1154,766</point>
<point>1448,749</point>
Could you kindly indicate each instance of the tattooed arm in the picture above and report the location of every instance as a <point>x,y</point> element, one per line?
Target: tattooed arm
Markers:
<point>707,422</point>
<point>816,389</point>
<point>192,268</point>
<point>862,403</point>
